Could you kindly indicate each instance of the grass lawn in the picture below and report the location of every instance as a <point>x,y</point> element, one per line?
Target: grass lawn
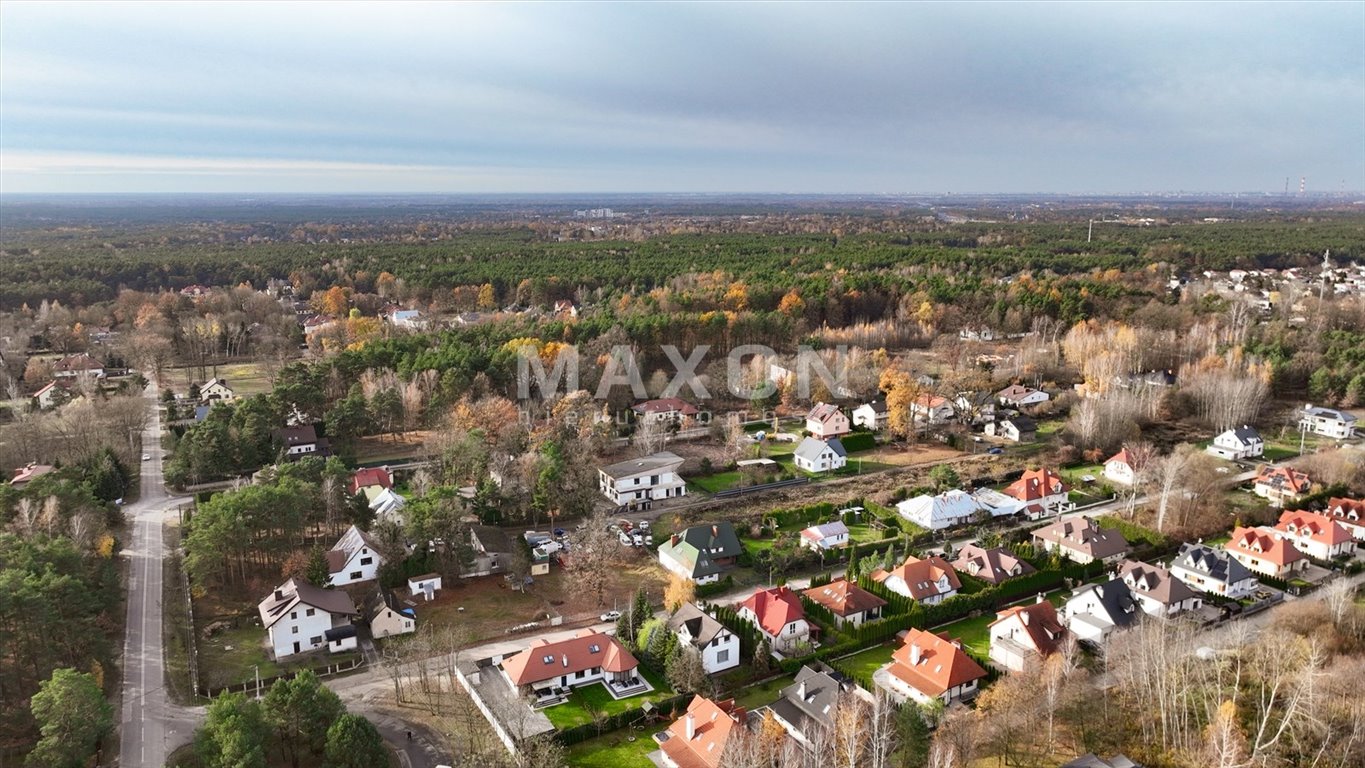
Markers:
<point>1050,427</point>
<point>1279,452</point>
<point>868,661</point>
<point>720,481</point>
<point>221,666</point>
<point>612,749</point>
<point>862,534</point>
<point>583,702</point>
<point>756,696</point>
<point>244,378</point>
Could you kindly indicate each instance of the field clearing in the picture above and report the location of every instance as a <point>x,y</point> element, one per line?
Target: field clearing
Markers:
<point>897,456</point>
<point>244,378</point>
<point>377,449</point>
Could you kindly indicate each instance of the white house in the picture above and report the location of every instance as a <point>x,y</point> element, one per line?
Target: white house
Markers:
<point>931,409</point>
<point>928,667</point>
<point>389,617</point>
<point>718,646</point>
<point>302,440</point>
<point>297,617</point>
<point>1157,591</point>
<point>1349,514</point>
<point>73,366</point>
<point>815,455</point>
<point>640,481</point>
<point>1316,535</point>
<point>945,510</point>
<point>1095,611</point>
<point>665,410</point>
<point>1040,493</point>
<point>827,536</point>
<point>1016,429</point>
<point>929,581</point>
<point>872,415</point>
<point>1018,395</point>
<point>1023,636</point>
<point>1265,551</point>
<point>826,420</point>
<point>1121,468</point>
<point>1242,442</point>
<point>387,505</point>
<point>1082,540</point>
<point>780,616</point>
<point>408,318</point>
<point>1214,571</point>
<point>427,585</point>
<point>1328,422</point>
<point>216,389</point>
<point>548,670</point>
<point>1280,485</point>
<point>353,559</point>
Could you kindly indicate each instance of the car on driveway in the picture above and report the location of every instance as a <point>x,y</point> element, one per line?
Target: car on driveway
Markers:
<point>610,616</point>
<point>146,457</point>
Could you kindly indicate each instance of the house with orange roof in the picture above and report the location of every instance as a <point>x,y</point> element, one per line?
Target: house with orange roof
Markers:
<point>849,603</point>
<point>929,581</point>
<point>549,670</point>
<point>780,616</point>
<point>931,409</point>
<point>698,738</point>
<point>1349,514</point>
<point>1082,540</point>
<point>928,667</point>
<point>28,473</point>
<point>1041,493</point>
<point>1315,535</point>
<point>1023,636</point>
<point>1280,485</point>
<point>1263,551</point>
<point>1121,468</point>
<point>371,480</point>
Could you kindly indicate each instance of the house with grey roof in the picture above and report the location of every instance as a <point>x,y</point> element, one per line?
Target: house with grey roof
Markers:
<point>1242,442</point>
<point>1328,422</point>
<point>299,617</point>
<point>1093,761</point>
<point>1082,540</point>
<point>701,553</point>
<point>815,455</point>
<point>1157,591</point>
<point>637,482</point>
<point>808,705</point>
<point>718,646</point>
<point>825,536</point>
<point>1213,570</point>
<point>1095,610</point>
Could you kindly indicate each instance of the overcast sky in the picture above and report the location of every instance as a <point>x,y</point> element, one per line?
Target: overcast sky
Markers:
<point>707,97</point>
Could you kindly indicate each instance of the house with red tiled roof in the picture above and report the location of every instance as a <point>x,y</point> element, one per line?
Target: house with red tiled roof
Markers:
<point>931,409</point>
<point>850,603</point>
<point>929,581</point>
<point>1023,636</point>
<point>549,670</point>
<point>28,473</point>
<point>1041,493</point>
<point>1349,514</point>
<point>1263,551</point>
<point>779,615</point>
<point>665,410</point>
<point>77,365</point>
<point>1082,540</point>
<point>928,667</point>
<point>1315,535</point>
<point>1280,485</point>
<point>371,480</point>
<point>698,738</point>
<point>1121,468</point>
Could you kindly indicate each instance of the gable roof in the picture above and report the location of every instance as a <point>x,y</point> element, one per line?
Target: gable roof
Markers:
<point>1262,544</point>
<point>81,362</point>
<point>818,533</point>
<point>712,725</point>
<point>877,405</point>
<point>1283,479</point>
<point>1243,435</point>
<point>487,538</point>
<point>1349,511</point>
<point>655,462</point>
<point>811,448</point>
<point>701,626</point>
<point>810,701</point>
<point>1122,457</point>
<point>351,542</point>
<point>1036,484</point>
<point>1329,413</point>
<point>1115,601</point>
<point>586,650</point>
<point>932,664</point>
<point>30,472</point>
<point>949,507</point>
<point>1213,563</point>
<point>844,598</point>
<point>1039,620</point>
<point>823,413</point>
<point>699,546</point>
<point>1094,761</point>
<point>921,576</point>
<point>775,608</point>
<point>1314,527</point>
<point>299,434</point>
<point>665,405</point>
<point>368,476</point>
<point>1022,423</point>
<point>990,565</point>
<point>927,400</point>
<point>1015,392</point>
<point>1154,582</point>
<point>1084,535</point>
<point>295,592</point>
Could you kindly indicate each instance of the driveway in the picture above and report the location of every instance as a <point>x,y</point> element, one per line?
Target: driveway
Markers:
<point>416,745</point>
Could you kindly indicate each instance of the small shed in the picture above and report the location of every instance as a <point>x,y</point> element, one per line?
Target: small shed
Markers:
<point>427,585</point>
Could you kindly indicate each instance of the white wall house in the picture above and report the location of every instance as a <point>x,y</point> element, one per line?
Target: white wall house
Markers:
<point>1316,535</point>
<point>353,559</point>
<point>1120,468</point>
<point>872,415</point>
<point>718,646</point>
<point>825,537</point>
<point>1019,395</point>
<point>779,615</point>
<point>1095,611</point>
<point>931,409</point>
<point>948,509</point>
<point>640,481</point>
<point>216,389</point>
<point>1242,442</point>
<point>1211,570</point>
<point>1328,422</point>
<point>297,616</point>
<point>815,455</point>
<point>826,420</point>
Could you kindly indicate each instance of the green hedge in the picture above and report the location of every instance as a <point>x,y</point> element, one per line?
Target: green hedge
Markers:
<point>719,587</point>
<point>859,441</point>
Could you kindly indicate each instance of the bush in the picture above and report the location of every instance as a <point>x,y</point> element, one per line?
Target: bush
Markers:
<point>719,587</point>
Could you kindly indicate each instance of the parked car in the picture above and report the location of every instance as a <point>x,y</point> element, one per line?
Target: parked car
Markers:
<point>996,451</point>
<point>146,457</point>
<point>560,533</point>
<point>643,525</point>
<point>625,539</point>
<point>610,616</point>
<point>638,539</point>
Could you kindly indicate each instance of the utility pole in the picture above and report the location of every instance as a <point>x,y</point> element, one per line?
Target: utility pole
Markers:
<point>1089,233</point>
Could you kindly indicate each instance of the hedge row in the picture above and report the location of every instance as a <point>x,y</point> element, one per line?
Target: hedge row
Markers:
<point>859,441</point>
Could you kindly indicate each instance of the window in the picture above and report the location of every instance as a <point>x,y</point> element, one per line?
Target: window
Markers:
<point>309,612</point>
<point>293,614</point>
<point>723,656</point>
<point>356,575</point>
<point>594,648</point>
<point>317,640</point>
<point>294,630</point>
<point>791,629</point>
<point>548,658</point>
<point>366,560</point>
<point>579,675</point>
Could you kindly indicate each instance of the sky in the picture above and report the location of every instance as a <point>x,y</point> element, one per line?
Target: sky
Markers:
<point>878,98</point>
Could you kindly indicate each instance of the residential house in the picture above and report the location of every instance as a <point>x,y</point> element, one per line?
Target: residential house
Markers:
<point>1121,468</point>
<point>928,667</point>
<point>946,510</point>
<point>1212,570</point>
<point>1349,514</point>
<point>975,407</point>
<point>718,646</point>
<point>780,616</point>
<point>993,566</point>
<point>73,366</point>
<point>638,482</point>
<point>492,547</point>
<point>931,409</point>
<point>216,389</point>
<point>54,393</point>
<point>700,553</point>
<point>387,505</point>
<point>370,481</point>
<point>1041,493</point>
<point>666,410</point>
<point>388,616</point>
<point>1328,422</point>
<point>1015,428</point>
<point>297,617</point>
<point>1157,591</point>
<point>1019,396</point>
<point>1023,636</point>
<point>1095,611</point>
<point>565,308</point>
<point>548,670</point>
<point>871,415</point>
<point>302,440</point>
<point>1263,551</point>
<point>807,707</point>
<point>195,291</point>
<point>28,473</point>
<point>1238,443</point>
<point>1281,485</point>
<point>850,604</point>
<point>698,738</point>
<point>426,585</point>
<point>1092,761</point>
<point>1082,540</point>
<point>354,558</point>
<point>826,420</point>
<point>996,503</point>
<point>1316,535</point>
<point>411,319</point>
<point>826,536</point>
<point>929,581</point>
<point>815,455</point>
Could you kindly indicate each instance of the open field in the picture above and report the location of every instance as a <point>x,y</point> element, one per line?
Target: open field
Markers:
<point>244,378</point>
